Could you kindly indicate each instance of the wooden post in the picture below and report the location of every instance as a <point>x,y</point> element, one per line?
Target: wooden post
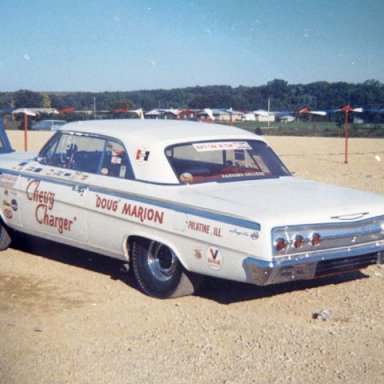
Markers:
<point>346,110</point>
<point>346,138</point>
<point>25,132</point>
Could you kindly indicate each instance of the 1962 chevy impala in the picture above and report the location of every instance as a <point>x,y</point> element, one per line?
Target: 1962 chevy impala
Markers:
<point>177,200</point>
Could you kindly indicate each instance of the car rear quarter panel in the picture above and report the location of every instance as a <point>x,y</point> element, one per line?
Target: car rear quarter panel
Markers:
<point>205,242</point>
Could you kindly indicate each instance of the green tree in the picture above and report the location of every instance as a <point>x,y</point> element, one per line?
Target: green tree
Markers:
<point>46,102</point>
<point>27,99</point>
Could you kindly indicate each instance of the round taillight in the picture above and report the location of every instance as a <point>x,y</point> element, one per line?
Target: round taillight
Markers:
<point>298,241</point>
<point>280,244</point>
<point>315,239</point>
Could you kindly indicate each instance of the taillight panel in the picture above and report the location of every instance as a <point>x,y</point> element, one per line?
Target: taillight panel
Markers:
<point>297,242</point>
<point>305,239</point>
<point>281,244</point>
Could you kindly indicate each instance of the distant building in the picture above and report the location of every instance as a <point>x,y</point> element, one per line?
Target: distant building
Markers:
<point>249,116</point>
<point>287,119</point>
<point>264,116</point>
<point>163,114</point>
<point>188,114</point>
<point>36,111</point>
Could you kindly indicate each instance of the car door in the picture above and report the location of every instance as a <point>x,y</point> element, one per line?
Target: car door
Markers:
<point>52,192</point>
<point>107,224</point>
<point>53,207</point>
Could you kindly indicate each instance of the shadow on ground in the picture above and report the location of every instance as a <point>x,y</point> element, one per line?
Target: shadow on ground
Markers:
<point>218,290</point>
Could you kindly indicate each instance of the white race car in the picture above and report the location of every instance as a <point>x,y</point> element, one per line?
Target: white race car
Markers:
<point>175,200</point>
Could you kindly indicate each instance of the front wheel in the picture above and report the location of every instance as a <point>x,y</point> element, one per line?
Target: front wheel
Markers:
<point>158,271</point>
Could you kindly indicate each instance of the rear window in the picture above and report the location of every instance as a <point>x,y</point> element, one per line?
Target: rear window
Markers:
<point>224,161</point>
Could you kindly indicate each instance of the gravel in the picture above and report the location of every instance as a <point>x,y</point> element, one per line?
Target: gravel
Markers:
<point>68,316</point>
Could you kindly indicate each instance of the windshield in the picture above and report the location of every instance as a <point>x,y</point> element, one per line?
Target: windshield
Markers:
<point>224,161</point>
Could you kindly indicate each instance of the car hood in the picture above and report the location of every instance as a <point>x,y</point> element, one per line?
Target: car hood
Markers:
<point>286,201</point>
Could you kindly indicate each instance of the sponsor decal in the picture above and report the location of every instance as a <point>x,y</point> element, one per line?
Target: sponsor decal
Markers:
<point>78,176</point>
<point>198,227</point>
<point>64,173</point>
<point>116,160</point>
<point>198,254</point>
<point>221,145</point>
<point>20,166</point>
<point>8,181</point>
<point>204,228</point>
<point>243,232</point>
<point>242,174</point>
<point>45,203</point>
<point>142,155</point>
<point>107,204</point>
<point>254,235</point>
<point>143,214</point>
<point>8,213</point>
<point>14,205</point>
<point>214,258</point>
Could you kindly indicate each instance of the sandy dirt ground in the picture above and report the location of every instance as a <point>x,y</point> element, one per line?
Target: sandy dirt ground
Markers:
<point>68,316</point>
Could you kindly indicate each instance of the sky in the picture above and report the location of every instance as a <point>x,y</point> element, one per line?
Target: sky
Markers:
<point>126,45</point>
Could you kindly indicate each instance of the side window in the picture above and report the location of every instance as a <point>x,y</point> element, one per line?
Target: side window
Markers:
<point>78,152</point>
<point>47,154</point>
<point>115,161</point>
<point>87,153</point>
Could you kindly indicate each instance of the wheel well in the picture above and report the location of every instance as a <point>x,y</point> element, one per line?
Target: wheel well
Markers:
<point>5,225</point>
<point>132,239</point>
<point>144,239</point>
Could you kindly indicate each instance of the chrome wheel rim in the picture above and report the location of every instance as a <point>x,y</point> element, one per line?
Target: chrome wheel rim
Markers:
<point>162,261</point>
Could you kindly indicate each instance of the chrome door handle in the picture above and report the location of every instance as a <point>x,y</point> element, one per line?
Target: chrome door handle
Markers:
<point>79,188</point>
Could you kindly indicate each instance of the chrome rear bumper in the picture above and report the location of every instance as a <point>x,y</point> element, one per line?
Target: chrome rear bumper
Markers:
<point>266,273</point>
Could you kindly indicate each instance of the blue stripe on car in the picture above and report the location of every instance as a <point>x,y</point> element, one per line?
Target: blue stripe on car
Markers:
<point>159,203</point>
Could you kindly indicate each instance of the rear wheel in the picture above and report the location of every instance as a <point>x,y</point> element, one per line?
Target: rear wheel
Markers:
<point>158,271</point>
<point>5,238</point>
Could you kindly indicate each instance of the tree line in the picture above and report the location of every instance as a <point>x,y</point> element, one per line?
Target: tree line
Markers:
<point>321,95</point>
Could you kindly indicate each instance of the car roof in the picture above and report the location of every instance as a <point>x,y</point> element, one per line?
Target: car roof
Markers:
<point>152,132</point>
<point>153,136</point>
<point>42,122</point>
<point>52,120</point>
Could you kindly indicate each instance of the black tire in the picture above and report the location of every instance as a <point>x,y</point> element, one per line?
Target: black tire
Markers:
<point>5,238</point>
<point>158,271</point>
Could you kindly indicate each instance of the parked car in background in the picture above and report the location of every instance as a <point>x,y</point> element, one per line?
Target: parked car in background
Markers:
<point>5,145</point>
<point>48,125</point>
<point>175,200</point>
